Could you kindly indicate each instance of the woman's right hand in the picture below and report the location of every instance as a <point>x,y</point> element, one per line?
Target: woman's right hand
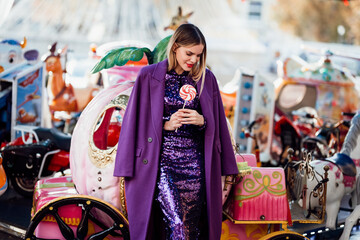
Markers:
<point>174,122</point>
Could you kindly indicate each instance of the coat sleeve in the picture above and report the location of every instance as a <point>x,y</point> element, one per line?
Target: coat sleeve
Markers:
<point>126,151</point>
<point>228,162</point>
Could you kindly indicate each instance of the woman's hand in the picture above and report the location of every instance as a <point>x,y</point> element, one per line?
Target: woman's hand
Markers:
<point>184,116</point>
<point>174,122</point>
<point>189,116</point>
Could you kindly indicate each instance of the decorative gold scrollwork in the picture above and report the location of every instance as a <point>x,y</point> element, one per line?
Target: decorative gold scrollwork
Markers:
<point>123,208</point>
<point>306,170</point>
<point>102,157</point>
<point>119,101</point>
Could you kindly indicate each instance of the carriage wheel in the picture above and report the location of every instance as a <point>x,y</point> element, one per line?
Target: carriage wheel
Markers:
<point>284,235</point>
<point>119,227</point>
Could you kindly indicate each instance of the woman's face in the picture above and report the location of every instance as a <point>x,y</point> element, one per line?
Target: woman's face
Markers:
<point>187,57</point>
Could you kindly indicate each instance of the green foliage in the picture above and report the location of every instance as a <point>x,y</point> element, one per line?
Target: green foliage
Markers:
<point>121,56</point>
<point>159,52</point>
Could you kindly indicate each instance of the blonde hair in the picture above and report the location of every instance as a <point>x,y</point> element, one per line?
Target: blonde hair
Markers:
<point>188,35</point>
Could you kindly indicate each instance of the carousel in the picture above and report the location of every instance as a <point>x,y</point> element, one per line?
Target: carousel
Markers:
<point>259,203</point>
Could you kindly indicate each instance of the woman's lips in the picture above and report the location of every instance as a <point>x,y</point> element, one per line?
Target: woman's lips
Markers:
<point>190,65</point>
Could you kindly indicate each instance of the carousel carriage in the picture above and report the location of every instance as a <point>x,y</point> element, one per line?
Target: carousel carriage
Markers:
<point>91,203</point>
<point>57,200</point>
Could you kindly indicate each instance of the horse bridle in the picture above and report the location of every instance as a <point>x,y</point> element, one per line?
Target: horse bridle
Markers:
<point>318,185</point>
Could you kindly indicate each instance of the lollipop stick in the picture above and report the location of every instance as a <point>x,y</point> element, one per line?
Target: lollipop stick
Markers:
<point>184,104</point>
<point>182,108</point>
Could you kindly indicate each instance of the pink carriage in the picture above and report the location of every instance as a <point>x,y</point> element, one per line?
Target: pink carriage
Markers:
<point>60,210</point>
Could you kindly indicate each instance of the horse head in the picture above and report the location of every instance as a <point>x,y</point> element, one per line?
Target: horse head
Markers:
<point>177,20</point>
<point>61,96</point>
<point>53,59</point>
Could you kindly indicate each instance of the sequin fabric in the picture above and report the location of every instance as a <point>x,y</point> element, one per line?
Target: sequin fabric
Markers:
<point>181,180</point>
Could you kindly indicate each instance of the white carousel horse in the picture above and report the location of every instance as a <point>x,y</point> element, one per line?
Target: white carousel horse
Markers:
<point>351,141</point>
<point>349,223</point>
<point>343,175</point>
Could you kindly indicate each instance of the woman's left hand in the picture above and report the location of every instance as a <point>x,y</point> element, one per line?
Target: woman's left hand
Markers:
<point>189,116</point>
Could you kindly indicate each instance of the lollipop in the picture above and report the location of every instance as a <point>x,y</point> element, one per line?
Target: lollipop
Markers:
<point>188,93</point>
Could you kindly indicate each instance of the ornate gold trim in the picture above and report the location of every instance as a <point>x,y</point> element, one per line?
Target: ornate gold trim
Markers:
<point>282,232</point>
<point>123,208</point>
<point>254,221</point>
<point>102,157</point>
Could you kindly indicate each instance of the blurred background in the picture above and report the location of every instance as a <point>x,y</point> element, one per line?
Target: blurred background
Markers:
<point>240,33</point>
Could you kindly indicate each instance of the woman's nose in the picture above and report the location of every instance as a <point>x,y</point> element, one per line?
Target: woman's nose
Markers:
<point>194,59</point>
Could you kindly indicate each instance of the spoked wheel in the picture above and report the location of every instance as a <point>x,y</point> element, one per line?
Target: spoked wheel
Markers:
<point>116,224</point>
<point>284,235</point>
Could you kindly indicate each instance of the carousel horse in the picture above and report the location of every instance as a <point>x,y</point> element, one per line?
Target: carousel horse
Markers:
<point>63,96</point>
<point>349,223</point>
<point>343,176</point>
<point>177,20</point>
<point>351,149</point>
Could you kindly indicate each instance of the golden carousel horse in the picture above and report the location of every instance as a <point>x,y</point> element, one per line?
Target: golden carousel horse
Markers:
<point>64,96</point>
<point>177,20</point>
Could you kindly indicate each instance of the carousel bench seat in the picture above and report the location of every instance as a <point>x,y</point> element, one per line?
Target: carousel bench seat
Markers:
<point>49,189</point>
<point>260,196</point>
<point>247,157</point>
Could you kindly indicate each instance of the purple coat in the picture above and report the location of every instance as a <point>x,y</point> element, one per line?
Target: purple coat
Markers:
<point>138,153</point>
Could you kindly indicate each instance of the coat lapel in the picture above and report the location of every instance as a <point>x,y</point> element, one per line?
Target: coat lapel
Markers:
<point>206,107</point>
<point>157,93</point>
<point>204,99</point>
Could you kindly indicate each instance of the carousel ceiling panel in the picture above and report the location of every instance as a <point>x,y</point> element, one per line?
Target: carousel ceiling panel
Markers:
<point>103,21</point>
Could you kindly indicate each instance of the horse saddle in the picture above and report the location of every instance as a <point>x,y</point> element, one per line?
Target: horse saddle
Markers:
<point>344,162</point>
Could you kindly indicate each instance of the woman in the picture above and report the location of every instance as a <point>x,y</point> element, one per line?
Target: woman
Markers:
<point>173,158</point>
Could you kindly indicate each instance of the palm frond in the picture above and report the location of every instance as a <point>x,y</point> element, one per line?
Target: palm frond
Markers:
<point>159,52</point>
<point>120,57</point>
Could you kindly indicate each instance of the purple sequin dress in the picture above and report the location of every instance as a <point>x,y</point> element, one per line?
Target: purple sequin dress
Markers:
<point>181,183</point>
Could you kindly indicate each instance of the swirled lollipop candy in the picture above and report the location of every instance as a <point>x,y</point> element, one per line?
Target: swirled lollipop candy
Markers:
<point>187,92</point>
